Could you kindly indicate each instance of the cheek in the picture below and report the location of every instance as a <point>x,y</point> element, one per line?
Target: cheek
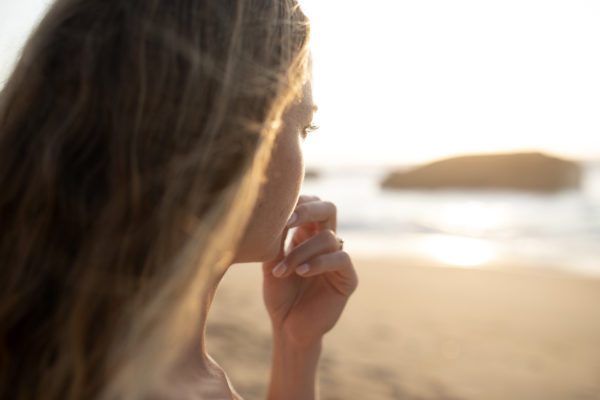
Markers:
<point>289,177</point>
<point>277,200</point>
<point>263,236</point>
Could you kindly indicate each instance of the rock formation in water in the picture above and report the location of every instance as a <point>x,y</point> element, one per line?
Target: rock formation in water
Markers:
<point>519,171</point>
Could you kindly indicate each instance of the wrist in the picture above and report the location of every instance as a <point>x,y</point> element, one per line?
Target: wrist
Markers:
<point>300,351</point>
<point>294,368</point>
<point>296,341</point>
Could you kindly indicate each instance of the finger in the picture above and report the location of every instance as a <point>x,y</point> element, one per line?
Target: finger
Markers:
<point>322,212</point>
<point>322,242</point>
<point>305,198</point>
<point>346,279</point>
<point>301,200</point>
<point>301,235</point>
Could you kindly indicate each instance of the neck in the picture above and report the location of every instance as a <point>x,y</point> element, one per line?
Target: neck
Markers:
<point>195,357</point>
<point>195,373</point>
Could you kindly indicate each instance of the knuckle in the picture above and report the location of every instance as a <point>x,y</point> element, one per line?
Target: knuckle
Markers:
<point>332,207</point>
<point>329,237</point>
<point>354,286</point>
<point>345,258</point>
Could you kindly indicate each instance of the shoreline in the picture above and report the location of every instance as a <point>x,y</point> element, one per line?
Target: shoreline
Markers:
<point>498,264</point>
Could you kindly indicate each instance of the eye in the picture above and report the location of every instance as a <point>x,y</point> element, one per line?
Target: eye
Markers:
<point>310,128</point>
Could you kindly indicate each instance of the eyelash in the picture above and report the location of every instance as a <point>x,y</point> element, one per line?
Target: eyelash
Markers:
<point>310,128</point>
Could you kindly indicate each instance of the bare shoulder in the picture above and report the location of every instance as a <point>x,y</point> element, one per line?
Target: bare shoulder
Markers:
<point>220,372</point>
<point>207,383</point>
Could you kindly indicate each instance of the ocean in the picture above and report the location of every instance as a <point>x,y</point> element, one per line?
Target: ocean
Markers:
<point>466,228</point>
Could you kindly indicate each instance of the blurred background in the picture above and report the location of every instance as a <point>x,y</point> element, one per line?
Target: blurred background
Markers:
<point>479,276</point>
<point>403,83</point>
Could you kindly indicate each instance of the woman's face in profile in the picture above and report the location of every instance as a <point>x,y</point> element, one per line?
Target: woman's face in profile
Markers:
<point>280,191</point>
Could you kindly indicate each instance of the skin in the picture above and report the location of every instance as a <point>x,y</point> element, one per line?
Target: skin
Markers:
<point>305,287</point>
<point>279,193</point>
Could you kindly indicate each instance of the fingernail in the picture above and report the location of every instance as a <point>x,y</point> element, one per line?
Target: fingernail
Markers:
<point>292,219</point>
<point>303,269</point>
<point>279,269</point>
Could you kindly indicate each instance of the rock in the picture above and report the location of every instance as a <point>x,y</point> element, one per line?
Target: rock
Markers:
<point>520,171</point>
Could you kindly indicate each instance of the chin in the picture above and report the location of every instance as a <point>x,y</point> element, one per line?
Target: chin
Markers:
<point>259,253</point>
<point>272,250</point>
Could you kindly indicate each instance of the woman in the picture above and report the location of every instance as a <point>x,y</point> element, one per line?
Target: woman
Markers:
<point>145,146</point>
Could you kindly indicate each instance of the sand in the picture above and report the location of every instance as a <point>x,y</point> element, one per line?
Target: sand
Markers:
<point>416,330</point>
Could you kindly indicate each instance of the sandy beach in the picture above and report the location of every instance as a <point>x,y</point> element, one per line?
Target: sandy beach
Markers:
<point>418,330</point>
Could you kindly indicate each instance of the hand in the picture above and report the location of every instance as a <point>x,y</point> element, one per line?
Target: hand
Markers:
<point>306,290</point>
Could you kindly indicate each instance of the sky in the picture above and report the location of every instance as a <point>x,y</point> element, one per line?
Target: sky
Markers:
<point>402,81</point>
<point>407,81</point>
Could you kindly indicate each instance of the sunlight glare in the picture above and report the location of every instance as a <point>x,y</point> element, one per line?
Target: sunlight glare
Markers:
<point>471,218</point>
<point>459,251</point>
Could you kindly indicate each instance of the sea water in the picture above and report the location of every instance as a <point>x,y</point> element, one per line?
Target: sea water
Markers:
<point>466,227</point>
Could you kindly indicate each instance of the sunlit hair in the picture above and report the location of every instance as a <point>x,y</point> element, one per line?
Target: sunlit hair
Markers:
<point>133,139</point>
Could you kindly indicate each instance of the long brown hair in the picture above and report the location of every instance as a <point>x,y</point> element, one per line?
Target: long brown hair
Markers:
<point>133,138</point>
